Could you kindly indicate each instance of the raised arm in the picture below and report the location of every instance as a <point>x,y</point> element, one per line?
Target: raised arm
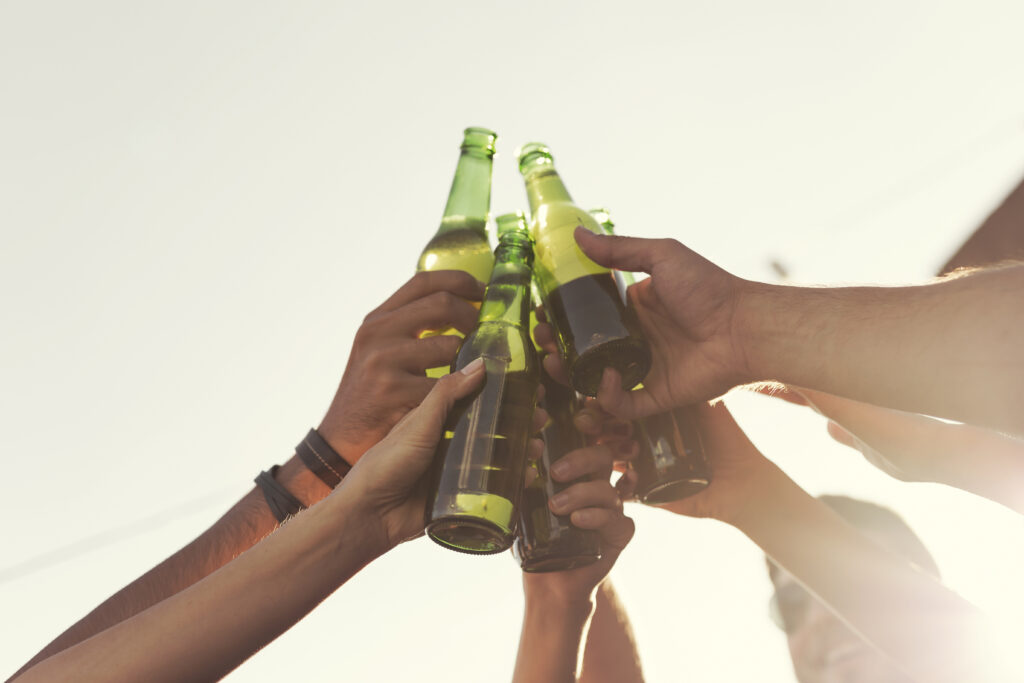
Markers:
<point>926,630</point>
<point>559,605</point>
<point>208,629</point>
<point>383,380</point>
<point>899,347</point>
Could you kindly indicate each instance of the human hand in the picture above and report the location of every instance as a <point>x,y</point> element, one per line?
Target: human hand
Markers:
<point>687,309</point>
<point>385,376</point>
<point>388,484</point>
<point>906,446</point>
<point>738,469</point>
<point>591,504</point>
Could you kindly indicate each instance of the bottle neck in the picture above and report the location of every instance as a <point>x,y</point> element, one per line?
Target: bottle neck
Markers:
<point>470,198</point>
<point>545,186</point>
<point>507,297</point>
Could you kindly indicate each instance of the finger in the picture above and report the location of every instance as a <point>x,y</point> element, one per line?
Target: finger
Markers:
<point>624,253</point>
<point>585,494</point>
<point>581,462</point>
<point>540,419</point>
<point>419,355</point>
<point>544,335</point>
<point>542,315</point>
<point>435,311</point>
<point>626,485</point>
<point>534,448</point>
<point>421,284</point>
<point>556,369</point>
<point>621,403</point>
<point>615,529</point>
<point>841,435</point>
<point>432,412</point>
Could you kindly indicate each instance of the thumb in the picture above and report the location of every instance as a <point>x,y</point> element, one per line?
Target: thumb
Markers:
<point>620,253</point>
<point>432,412</point>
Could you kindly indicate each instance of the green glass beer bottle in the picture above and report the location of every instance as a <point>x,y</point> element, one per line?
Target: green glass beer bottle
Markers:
<point>546,541</point>
<point>583,304</point>
<point>461,242</point>
<point>671,464</point>
<point>477,475</point>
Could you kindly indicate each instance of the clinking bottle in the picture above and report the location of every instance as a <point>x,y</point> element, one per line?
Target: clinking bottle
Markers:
<point>671,464</point>
<point>583,303</point>
<point>461,241</point>
<point>477,476</point>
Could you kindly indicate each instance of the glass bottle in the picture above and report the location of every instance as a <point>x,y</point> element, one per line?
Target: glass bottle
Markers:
<point>671,464</point>
<point>585,307</point>
<point>461,241</point>
<point>477,474</point>
<point>546,541</point>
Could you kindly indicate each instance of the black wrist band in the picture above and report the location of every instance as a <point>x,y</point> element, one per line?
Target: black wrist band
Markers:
<point>282,503</point>
<point>321,459</point>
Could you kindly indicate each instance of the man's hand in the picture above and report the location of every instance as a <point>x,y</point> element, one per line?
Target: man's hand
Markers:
<point>385,376</point>
<point>592,504</point>
<point>687,309</point>
<point>389,482</point>
<point>912,447</point>
<point>738,469</point>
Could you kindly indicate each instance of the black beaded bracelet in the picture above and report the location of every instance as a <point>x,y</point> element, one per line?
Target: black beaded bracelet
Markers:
<point>321,459</point>
<point>282,503</point>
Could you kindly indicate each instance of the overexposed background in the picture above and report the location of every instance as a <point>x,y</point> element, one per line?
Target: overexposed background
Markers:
<point>200,201</point>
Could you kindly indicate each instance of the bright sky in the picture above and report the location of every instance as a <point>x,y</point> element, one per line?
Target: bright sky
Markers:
<point>200,201</point>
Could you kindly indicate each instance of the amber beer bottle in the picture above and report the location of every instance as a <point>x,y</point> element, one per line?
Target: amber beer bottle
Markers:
<point>546,541</point>
<point>477,475</point>
<point>671,464</point>
<point>585,307</point>
<point>461,242</point>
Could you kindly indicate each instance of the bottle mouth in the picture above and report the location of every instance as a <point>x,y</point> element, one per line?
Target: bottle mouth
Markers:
<point>603,219</point>
<point>512,222</point>
<point>532,156</point>
<point>479,139</point>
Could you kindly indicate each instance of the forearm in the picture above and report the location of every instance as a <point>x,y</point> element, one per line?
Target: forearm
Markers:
<point>208,629</point>
<point>902,611</point>
<point>550,644</point>
<point>949,349</point>
<point>241,527</point>
<point>610,653</point>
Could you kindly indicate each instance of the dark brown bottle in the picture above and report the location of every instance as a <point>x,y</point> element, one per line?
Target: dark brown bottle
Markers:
<point>671,464</point>
<point>586,309</point>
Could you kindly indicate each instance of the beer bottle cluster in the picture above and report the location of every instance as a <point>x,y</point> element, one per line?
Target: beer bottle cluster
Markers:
<point>484,493</point>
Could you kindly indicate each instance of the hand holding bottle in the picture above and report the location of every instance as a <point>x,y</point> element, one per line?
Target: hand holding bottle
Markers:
<point>384,378</point>
<point>687,309</point>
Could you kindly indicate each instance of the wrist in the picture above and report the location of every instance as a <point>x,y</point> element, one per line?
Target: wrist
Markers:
<point>758,325</point>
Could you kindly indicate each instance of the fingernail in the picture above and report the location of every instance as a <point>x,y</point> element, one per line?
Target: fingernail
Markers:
<point>559,500</point>
<point>473,366</point>
<point>560,468</point>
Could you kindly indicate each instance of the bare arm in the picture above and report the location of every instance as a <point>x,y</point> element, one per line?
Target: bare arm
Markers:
<point>914,447</point>
<point>383,380</point>
<point>610,655</point>
<point>206,630</point>
<point>248,521</point>
<point>559,604</point>
<point>925,629</point>
<point>900,347</point>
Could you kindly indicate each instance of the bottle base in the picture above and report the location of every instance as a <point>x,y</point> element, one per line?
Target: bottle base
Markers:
<point>469,535</point>
<point>670,491</point>
<point>555,563</point>
<point>631,358</point>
